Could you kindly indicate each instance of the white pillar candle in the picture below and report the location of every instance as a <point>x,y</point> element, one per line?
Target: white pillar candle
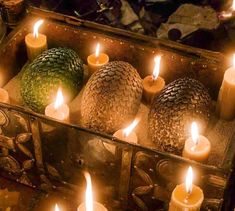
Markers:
<point>35,42</point>
<point>58,109</point>
<point>186,196</point>
<point>89,204</point>
<point>197,147</point>
<point>226,98</point>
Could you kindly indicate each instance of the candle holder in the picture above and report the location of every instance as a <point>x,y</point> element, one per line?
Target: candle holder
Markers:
<point>137,177</point>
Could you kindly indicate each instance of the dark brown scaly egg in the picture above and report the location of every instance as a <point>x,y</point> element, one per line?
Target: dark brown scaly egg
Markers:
<point>181,102</point>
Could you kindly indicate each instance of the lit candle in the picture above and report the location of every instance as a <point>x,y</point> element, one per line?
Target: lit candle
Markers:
<point>36,43</point>
<point>57,207</point>
<point>58,109</point>
<point>89,204</point>
<point>226,98</point>
<point>153,84</point>
<point>186,196</point>
<point>128,134</point>
<point>226,15</point>
<point>197,147</point>
<point>4,96</point>
<point>97,60</point>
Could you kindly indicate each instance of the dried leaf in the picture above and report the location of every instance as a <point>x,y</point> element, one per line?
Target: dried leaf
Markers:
<point>44,179</point>
<point>7,142</point>
<point>23,137</point>
<point>53,171</point>
<point>25,180</point>
<point>23,149</point>
<point>28,164</point>
<point>9,164</point>
<point>144,176</point>
<point>139,203</point>
<point>142,190</point>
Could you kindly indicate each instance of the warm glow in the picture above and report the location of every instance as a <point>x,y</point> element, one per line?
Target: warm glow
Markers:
<point>36,27</point>
<point>233,5</point>
<point>59,99</point>
<point>156,69</point>
<point>57,207</point>
<point>89,196</point>
<point>233,60</point>
<point>189,180</point>
<point>127,131</point>
<point>194,133</point>
<point>97,50</point>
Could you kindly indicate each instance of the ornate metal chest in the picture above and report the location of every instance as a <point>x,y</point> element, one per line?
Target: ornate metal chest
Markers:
<point>51,156</point>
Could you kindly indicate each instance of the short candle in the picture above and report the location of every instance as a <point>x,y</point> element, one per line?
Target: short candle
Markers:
<point>128,134</point>
<point>186,196</point>
<point>153,84</point>
<point>36,43</point>
<point>97,60</point>
<point>58,109</point>
<point>197,147</point>
<point>89,204</point>
<point>226,98</point>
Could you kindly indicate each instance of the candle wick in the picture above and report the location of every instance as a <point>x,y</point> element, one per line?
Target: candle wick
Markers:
<point>153,79</point>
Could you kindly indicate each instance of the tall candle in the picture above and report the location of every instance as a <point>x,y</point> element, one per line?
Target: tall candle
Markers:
<point>89,204</point>
<point>128,133</point>
<point>186,196</point>
<point>226,98</point>
<point>197,147</point>
<point>97,60</point>
<point>36,43</point>
<point>58,109</point>
<point>153,84</point>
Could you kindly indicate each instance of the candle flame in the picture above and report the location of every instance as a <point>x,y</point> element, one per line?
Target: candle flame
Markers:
<point>97,50</point>
<point>194,133</point>
<point>189,180</point>
<point>156,69</point>
<point>57,207</point>
<point>59,99</point>
<point>233,5</point>
<point>89,196</point>
<point>36,27</point>
<point>127,131</point>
